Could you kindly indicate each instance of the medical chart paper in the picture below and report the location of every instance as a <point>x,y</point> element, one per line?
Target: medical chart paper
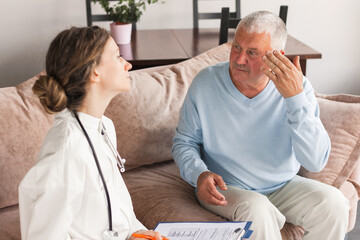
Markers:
<point>204,230</point>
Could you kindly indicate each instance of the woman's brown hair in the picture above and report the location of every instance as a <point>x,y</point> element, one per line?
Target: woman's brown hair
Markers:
<point>69,61</point>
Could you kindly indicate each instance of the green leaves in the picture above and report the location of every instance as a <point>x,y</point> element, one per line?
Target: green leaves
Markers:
<point>126,11</point>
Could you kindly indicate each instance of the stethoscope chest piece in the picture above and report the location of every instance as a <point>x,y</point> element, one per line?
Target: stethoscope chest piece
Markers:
<point>110,235</point>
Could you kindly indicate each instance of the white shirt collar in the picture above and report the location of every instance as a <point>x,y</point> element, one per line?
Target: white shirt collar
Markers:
<point>90,122</point>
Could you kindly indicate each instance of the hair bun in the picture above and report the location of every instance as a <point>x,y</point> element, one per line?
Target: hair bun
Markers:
<point>51,94</point>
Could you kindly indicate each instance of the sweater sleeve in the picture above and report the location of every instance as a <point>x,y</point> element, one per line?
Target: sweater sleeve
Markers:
<point>310,141</point>
<point>188,140</point>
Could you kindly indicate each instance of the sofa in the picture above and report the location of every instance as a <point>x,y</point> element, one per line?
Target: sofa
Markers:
<point>145,119</point>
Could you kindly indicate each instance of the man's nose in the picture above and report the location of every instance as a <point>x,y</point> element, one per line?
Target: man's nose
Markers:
<point>241,58</point>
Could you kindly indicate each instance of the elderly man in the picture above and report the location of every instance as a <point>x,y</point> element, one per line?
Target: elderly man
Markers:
<point>245,128</point>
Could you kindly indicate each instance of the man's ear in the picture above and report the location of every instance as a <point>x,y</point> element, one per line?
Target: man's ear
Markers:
<point>95,75</point>
<point>282,52</point>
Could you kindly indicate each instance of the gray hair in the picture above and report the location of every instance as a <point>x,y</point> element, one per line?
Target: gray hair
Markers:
<point>264,21</point>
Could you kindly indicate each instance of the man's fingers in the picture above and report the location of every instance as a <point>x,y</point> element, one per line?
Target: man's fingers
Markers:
<point>271,60</point>
<point>269,64</point>
<point>214,201</point>
<point>283,59</point>
<point>216,196</point>
<point>213,197</point>
<point>207,190</point>
<point>269,74</point>
<point>214,192</point>
<point>220,182</point>
<point>297,64</point>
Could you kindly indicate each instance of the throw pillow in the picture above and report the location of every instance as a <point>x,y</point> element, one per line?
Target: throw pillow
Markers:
<point>340,115</point>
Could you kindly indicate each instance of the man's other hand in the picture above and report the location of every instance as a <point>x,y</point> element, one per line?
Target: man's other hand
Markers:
<point>207,192</point>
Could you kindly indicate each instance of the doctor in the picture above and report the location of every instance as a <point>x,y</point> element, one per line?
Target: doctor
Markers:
<point>76,191</point>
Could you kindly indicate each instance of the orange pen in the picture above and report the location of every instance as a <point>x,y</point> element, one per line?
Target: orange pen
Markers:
<point>138,235</point>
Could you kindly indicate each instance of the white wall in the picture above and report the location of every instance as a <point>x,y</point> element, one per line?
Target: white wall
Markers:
<point>328,26</point>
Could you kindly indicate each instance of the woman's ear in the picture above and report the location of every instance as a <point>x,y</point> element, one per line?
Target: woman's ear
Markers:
<point>95,75</point>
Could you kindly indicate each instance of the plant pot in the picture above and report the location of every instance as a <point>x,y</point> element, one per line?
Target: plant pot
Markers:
<point>121,32</point>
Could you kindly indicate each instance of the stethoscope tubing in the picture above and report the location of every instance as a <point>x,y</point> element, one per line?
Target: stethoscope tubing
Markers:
<point>120,161</point>
<point>99,170</point>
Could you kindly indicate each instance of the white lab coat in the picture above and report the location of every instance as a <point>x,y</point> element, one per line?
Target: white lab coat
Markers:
<point>62,196</point>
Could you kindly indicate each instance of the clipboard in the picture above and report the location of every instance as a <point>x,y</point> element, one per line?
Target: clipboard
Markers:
<point>205,230</point>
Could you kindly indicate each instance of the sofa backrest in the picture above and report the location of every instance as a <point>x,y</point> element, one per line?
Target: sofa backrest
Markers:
<point>23,126</point>
<point>146,117</point>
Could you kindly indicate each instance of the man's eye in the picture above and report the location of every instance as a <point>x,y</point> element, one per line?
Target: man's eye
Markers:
<point>252,53</point>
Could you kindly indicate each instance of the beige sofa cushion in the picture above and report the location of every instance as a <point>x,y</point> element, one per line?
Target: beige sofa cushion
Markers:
<point>146,117</point>
<point>172,199</point>
<point>340,115</point>
<point>24,124</point>
<point>10,223</point>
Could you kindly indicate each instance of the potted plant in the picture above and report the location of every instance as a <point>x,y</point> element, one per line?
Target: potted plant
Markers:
<point>123,13</point>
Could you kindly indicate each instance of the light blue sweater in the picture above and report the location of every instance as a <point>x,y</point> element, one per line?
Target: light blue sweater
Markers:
<point>254,144</point>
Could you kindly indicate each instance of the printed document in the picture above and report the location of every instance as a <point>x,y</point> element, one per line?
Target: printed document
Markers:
<point>203,230</point>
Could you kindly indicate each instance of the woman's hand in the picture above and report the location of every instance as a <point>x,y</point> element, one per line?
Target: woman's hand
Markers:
<point>152,235</point>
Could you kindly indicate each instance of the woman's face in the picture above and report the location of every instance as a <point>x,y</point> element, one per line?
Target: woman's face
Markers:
<point>113,69</point>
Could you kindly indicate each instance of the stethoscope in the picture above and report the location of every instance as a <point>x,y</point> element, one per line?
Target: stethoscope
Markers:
<point>109,233</point>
